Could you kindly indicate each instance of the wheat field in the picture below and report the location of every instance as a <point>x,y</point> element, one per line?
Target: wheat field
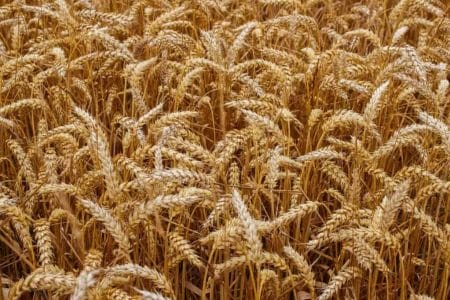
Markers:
<point>224,149</point>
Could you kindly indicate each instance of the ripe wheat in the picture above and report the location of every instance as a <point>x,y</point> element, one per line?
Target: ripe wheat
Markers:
<point>235,149</point>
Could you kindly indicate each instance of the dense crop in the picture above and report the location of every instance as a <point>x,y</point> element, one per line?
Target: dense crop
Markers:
<point>234,149</point>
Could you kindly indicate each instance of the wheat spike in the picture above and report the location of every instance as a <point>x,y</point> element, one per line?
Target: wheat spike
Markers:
<point>304,268</point>
<point>44,242</point>
<point>113,226</point>
<point>338,281</point>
